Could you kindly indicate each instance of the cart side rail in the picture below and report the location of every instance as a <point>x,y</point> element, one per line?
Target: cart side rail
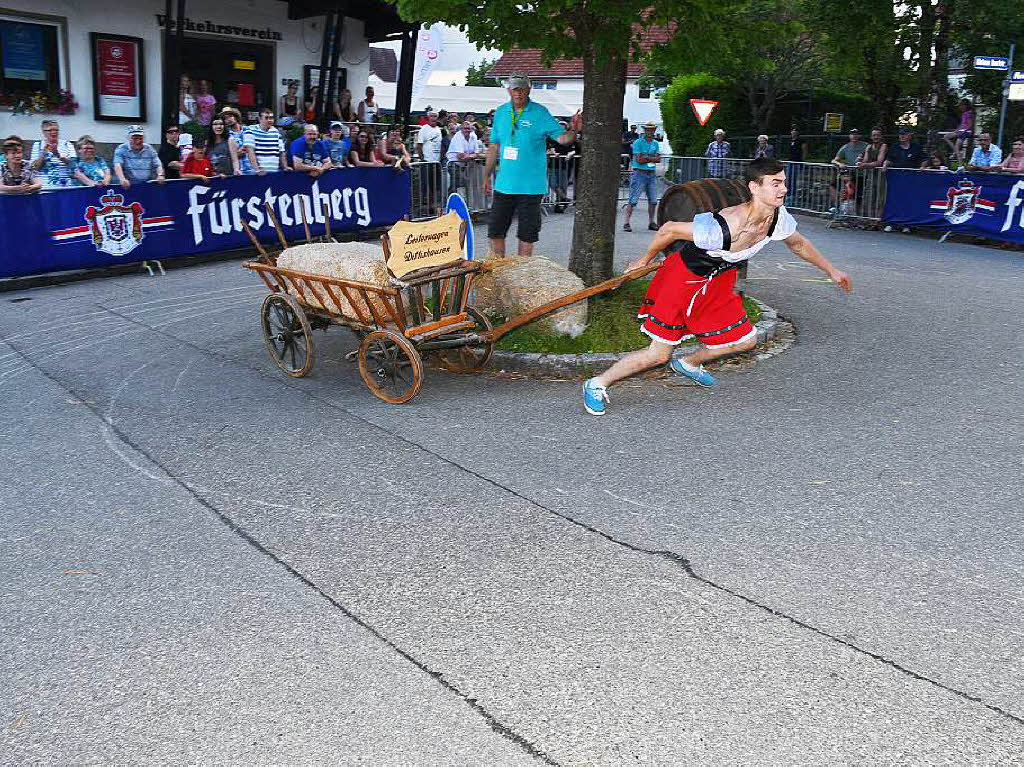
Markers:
<point>369,304</point>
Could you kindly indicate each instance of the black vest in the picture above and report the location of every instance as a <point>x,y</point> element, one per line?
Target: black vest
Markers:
<point>700,262</point>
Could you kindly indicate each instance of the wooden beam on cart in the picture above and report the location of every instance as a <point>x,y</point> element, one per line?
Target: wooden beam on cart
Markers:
<point>581,295</point>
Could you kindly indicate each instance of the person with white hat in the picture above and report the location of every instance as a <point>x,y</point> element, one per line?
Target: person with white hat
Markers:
<point>135,161</point>
<point>642,178</point>
<point>428,145</point>
<point>518,150</point>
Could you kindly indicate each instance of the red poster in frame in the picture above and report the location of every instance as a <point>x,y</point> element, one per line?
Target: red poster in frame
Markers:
<point>119,85</point>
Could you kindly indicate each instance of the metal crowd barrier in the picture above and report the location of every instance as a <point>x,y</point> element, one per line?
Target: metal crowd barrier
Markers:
<point>432,182</point>
<point>844,194</point>
<point>561,192</point>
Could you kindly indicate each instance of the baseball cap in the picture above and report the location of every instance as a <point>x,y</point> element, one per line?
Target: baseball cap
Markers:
<point>431,113</point>
<point>135,130</point>
<point>854,130</point>
<point>651,125</point>
<point>904,130</point>
<point>335,123</point>
<point>518,80</point>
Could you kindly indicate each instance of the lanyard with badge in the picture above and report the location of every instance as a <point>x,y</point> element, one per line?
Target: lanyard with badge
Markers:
<point>512,152</point>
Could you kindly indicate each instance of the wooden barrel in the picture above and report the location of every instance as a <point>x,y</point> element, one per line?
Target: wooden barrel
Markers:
<point>684,201</point>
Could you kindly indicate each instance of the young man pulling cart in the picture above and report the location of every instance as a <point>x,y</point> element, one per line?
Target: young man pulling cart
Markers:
<point>693,291</point>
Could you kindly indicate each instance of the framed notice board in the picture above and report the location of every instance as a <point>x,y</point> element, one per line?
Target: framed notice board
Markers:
<point>118,78</point>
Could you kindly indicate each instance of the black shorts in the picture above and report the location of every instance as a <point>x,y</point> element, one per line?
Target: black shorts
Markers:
<point>525,206</point>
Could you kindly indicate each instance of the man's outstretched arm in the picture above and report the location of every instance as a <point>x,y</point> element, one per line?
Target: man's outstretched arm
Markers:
<point>804,248</point>
<point>669,232</point>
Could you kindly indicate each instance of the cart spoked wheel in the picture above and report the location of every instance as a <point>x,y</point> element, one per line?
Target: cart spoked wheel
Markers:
<point>469,358</point>
<point>287,334</point>
<point>390,366</point>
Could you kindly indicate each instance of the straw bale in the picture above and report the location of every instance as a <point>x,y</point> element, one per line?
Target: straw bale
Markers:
<point>517,284</point>
<point>358,261</point>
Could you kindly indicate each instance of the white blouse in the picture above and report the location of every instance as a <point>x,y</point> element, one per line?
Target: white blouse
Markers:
<point>707,235</point>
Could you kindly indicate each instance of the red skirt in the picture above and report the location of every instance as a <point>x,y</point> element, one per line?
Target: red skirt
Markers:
<point>680,303</point>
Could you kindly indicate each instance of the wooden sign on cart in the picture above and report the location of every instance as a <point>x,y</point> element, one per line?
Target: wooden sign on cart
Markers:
<point>412,246</point>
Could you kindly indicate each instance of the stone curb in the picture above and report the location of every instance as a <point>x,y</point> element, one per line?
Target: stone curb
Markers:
<point>774,336</point>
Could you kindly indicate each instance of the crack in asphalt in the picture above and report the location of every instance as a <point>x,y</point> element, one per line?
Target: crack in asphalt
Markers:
<point>672,557</point>
<point>493,722</point>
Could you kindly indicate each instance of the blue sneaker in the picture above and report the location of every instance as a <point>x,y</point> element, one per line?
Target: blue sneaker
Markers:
<point>698,374</point>
<point>595,397</point>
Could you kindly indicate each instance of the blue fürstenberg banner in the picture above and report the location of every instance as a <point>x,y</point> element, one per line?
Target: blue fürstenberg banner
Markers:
<point>100,226</point>
<point>986,204</point>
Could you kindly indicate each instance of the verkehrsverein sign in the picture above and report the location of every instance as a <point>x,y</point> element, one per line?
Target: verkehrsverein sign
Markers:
<point>222,29</point>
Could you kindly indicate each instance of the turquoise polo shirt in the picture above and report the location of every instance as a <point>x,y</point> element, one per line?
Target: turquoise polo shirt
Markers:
<point>643,146</point>
<point>522,147</point>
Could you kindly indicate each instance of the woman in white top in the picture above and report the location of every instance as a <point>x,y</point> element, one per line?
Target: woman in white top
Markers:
<point>368,108</point>
<point>186,101</point>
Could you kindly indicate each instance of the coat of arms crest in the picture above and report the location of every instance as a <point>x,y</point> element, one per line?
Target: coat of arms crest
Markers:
<point>116,228</point>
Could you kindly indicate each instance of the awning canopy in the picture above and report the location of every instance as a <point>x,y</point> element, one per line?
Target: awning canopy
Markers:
<point>462,98</point>
<point>381,19</point>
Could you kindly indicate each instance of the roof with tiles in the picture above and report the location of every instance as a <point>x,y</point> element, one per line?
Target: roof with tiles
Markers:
<point>527,61</point>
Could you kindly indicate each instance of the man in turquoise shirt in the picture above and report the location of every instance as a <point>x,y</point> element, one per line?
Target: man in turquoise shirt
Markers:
<point>642,179</point>
<point>519,151</point>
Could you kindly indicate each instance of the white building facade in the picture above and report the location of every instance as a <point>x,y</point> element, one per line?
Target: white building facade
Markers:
<point>247,50</point>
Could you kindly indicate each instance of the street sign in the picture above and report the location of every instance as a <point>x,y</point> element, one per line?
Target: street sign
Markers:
<point>703,109</point>
<point>991,62</point>
<point>833,122</point>
<point>1015,93</point>
<point>1017,77</point>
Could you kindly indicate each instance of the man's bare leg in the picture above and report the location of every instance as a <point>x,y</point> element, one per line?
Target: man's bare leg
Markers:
<point>629,212</point>
<point>525,248</point>
<point>657,353</point>
<point>704,354</point>
<point>498,247</point>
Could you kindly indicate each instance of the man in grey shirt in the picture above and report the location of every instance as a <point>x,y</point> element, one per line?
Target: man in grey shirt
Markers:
<point>136,162</point>
<point>851,151</point>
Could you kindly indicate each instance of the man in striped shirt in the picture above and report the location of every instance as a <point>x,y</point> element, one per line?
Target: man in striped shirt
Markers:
<point>263,145</point>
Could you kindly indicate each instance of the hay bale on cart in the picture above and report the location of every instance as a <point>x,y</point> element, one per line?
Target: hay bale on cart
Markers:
<point>357,261</point>
<point>519,284</point>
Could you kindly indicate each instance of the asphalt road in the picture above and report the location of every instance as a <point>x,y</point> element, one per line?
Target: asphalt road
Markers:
<point>820,560</point>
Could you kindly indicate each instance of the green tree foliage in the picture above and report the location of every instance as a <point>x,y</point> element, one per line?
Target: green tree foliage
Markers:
<point>765,51</point>
<point>476,74</point>
<point>986,28</point>
<point>605,34</point>
<point>863,45</point>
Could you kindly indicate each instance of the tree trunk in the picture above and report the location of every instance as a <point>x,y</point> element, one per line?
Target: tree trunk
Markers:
<point>926,32</point>
<point>597,180</point>
<point>938,86</point>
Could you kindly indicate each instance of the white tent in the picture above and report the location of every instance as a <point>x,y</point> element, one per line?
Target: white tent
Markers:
<point>465,98</point>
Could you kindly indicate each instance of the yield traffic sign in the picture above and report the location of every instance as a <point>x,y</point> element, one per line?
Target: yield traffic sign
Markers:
<point>703,109</point>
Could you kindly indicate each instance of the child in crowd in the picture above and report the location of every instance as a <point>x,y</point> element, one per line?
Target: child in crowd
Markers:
<point>338,144</point>
<point>197,165</point>
<point>90,170</point>
<point>936,161</point>
<point>16,175</point>
<point>205,102</point>
<point>848,195</point>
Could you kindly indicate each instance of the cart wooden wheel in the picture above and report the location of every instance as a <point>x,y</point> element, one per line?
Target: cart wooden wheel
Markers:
<point>470,358</point>
<point>390,366</point>
<point>287,334</point>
